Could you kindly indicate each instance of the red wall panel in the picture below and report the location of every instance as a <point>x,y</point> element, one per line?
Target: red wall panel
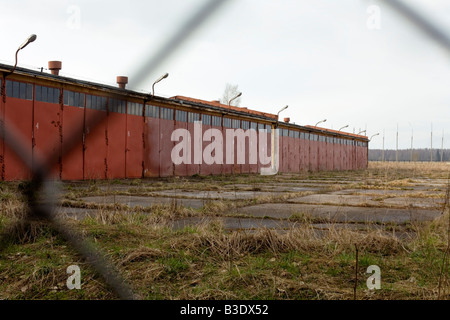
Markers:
<point>95,156</point>
<point>18,113</point>
<point>116,134</point>
<point>151,151</point>
<point>181,169</point>
<point>227,168</point>
<point>205,169</point>
<point>47,138</point>
<point>322,155</point>
<point>72,160</point>
<point>166,145</point>
<point>193,168</point>
<point>134,146</point>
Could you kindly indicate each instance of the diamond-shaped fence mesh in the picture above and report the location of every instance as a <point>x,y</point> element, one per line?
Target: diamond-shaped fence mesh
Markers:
<point>42,207</point>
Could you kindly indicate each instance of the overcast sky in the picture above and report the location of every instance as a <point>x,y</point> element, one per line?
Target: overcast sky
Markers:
<point>326,59</point>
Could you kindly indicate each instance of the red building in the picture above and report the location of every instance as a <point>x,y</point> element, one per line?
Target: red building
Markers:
<point>85,130</point>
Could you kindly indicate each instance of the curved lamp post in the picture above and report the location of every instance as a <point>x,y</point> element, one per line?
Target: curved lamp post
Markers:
<point>237,96</point>
<point>159,79</point>
<point>376,134</point>
<point>278,114</point>
<point>324,120</point>
<point>343,127</point>
<point>23,45</point>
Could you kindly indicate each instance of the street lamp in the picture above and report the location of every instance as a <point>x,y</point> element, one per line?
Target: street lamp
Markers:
<point>324,120</point>
<point>343,127</point>
<point>284,108</point>
<point>23,45</point>
<point>361,131</point>
<point>376,134</point>
<point>159,79</point>
<point>237,96</point>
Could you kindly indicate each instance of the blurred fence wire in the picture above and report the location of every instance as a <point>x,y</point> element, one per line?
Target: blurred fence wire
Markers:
<point>40,193</point>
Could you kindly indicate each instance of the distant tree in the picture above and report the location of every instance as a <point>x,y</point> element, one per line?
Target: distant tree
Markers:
<point>229,93</point>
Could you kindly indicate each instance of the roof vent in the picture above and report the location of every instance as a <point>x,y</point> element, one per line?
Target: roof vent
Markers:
<point>122,81</point>
<point>54,67</point>
<point>287,120</point>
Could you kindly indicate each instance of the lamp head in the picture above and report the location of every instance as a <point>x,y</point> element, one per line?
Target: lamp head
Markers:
<point>28,41</point>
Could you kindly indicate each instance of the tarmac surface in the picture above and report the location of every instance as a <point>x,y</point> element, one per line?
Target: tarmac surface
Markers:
<point>283,205</point>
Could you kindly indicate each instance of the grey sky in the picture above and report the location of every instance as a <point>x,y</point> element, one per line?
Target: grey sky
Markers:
<point>319,57</point>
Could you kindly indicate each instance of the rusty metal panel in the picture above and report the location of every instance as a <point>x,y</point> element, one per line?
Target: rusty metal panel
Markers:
<point>151,140</point>
<point>336,155</point>
<point>72,161</point>
<point>193,168</point>
<point>96,139</point>
<point>181,169</point>
<point>215,168</point>
<point>343,159</point>
<point>205,169</point>
<point>354,156</point>
<point>296,158</point>
<point>134,146</point>
<point>47,136</point>
<point>329,146</point>
<point>19,114</point>
<point>166,128</point>
<point>253,168</point>
<point>304,149</point>
<point>116,138</point>
<point>322,154</point>
<point>313,153</point>
<point>227,168</point>
<point>347,155</point>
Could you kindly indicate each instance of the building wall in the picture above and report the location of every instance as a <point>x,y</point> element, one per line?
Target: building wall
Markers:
<point>90,133</point>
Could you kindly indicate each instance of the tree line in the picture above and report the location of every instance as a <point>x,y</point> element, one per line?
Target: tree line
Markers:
<point>410,155</point>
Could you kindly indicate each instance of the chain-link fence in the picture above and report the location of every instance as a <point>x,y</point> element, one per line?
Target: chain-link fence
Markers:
<point>41,194</point>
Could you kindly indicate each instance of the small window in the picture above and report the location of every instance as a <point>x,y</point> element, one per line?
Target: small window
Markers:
<point>261,126</point>
<point>227,122</point>
<point>192,117</point>
<point>216,121</point>
<point>133,108</point>
<point>47,94</point>
<point>120,106</point>
<point>74,99</point>
<point>95,102</point>
<point>245,125</point>
<point>253,125</point>
<point>236,124</point>
<point>206,119</point>
<point>166,113</point>
<point>269,128</point>
<point>180,115</point>
<point>152,111</point>
<point>20,90</point>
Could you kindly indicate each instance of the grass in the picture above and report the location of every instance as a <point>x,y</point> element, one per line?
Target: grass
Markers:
<point>207,261</point>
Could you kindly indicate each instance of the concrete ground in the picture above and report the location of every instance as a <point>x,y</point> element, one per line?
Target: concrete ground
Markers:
<point>338,200</point>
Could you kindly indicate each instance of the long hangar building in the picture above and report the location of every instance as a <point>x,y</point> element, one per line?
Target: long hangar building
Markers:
<point>95,131</point>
